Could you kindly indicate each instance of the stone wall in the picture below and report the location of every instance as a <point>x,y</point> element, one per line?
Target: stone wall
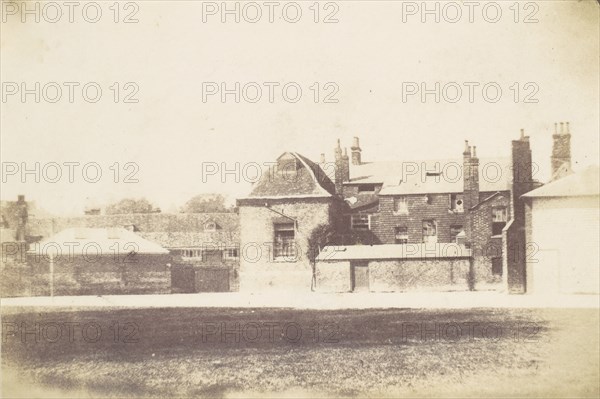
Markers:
<point>259,270</point>
<point>398,275</point>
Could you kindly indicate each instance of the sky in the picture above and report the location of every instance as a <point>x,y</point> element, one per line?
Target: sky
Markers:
<point>363,63</point>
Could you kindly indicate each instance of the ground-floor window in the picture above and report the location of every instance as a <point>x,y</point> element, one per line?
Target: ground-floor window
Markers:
<point>360,222</point>
<point>284,245</point>
<point>401,235</point>
<point>429,231</point>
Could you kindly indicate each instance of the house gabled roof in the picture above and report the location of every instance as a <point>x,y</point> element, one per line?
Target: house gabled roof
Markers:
<point>307,179</point>
<point>584,183</point>
<point>98,241</point>
<point>494,175</point>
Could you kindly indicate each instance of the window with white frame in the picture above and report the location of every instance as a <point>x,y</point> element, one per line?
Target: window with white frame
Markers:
<point>231,254</point>
<point>401,206</point>
<point>401,234</point>
<point>360,222</point>
<point>429,231</point>
<point>457,203</point>
<point>191,253</point>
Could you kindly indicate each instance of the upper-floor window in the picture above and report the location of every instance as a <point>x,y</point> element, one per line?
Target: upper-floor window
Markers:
<point>499,219</point>
<point>455,230</point>
<point>429,231</point>
<point>457,203</point>
<point>360,222</point>
<point>400,206</point>
<point>191,253</point>
<point>401,235</point>
<point>284,244</point>
<point>231,253</point>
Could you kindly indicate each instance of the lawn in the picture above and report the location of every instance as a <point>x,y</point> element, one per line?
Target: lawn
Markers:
<point>210,352</point>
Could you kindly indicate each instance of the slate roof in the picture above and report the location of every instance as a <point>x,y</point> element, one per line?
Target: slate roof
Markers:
<point>584,183</point>
<point>105,242</point>
<point>173,240</point>
<point>170,230</point>
<point>494,175</point>
<point>393,251</point>
<point>309,180</point>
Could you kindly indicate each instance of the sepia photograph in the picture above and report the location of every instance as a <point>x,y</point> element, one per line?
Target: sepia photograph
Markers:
<point>300,199</point>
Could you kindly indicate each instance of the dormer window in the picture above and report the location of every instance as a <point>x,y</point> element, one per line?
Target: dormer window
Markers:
<point>210,226</point>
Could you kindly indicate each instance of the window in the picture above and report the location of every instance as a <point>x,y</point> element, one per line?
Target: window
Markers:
<point>231,253</point>
<point>457,203</point>
<point>210,226</point>
<point>191,253</point>
<point>455,230</point>
<point>366,188</point>
<point>499,219</point>
<point>429,199</point>
<point>401,234</point>
<point>360,222</point>
<point>284,245</point>
<point>401,206</point>
<point>497,266</point>
<point>429,231</point>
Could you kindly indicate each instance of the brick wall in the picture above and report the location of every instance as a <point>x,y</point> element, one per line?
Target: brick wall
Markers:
<point>143,274</point>
<point>258,270</point>
<point>485,247</point>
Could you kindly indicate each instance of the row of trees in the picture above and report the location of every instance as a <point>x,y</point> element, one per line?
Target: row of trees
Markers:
<point>203,203</point>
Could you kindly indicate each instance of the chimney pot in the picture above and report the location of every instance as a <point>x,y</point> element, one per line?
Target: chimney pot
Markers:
<point>322,158</point>
<point>467,148</point>
<point>556,128</point>
<point>568,130</point>
<point>474,151</point>
<point>562,128</point>
<point>355,143</point>
<point>522,134</point>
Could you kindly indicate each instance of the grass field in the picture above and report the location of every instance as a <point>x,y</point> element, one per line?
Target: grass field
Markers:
<point>279,352</point>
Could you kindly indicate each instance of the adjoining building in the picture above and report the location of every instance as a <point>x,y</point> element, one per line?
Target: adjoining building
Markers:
<point>98,261</point>
<point>465,201</point>
<point>563,233</point>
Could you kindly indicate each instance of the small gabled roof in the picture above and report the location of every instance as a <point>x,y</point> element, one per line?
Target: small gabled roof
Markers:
<point>584,183</point>
<point>98,241</point>
<point>307,180</point>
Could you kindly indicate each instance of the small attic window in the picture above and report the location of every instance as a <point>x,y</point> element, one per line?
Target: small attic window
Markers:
<point>210,226</point>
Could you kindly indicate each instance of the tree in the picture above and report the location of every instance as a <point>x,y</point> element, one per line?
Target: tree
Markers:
<point>129,205</point>
<point>206,203</point>
<point>320,236</point>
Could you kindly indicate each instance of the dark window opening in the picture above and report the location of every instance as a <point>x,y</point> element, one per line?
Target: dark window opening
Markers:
<point>497,266</point>
<point>499,219</point>
<point>366,188</point>
<point>455,230</point>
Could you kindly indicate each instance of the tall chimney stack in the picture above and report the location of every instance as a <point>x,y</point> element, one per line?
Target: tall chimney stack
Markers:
<point>561,152</point>
<point>22,216</point>
<point>356,150</point>
<point>470,185</point>
<point>342,168</point>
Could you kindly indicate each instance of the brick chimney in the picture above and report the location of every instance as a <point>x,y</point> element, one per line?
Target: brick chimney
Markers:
<point>342,168</point>
<point>355,152</point>
<point>470,176</point>
<point>470,187</point>
<point>561,151</point>
<point>22,216</point>
<point>521,183</point>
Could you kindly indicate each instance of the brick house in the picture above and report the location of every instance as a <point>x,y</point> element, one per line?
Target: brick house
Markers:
<point>464,201</point>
